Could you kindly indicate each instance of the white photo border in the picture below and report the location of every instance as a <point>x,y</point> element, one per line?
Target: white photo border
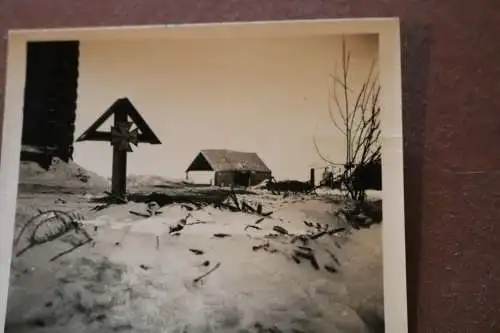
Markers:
<point>387,29</point>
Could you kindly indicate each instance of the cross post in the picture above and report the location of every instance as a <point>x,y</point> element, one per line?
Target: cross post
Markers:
<point>121,136</point>
<point>119,171</point>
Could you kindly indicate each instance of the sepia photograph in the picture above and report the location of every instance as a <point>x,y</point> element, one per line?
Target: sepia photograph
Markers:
<point>219,178</point>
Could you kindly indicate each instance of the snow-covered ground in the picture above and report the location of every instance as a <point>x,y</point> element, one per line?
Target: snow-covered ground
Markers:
<point>139,276</point>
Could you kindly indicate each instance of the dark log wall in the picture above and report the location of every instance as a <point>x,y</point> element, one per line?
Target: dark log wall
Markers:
<point>224,178</point>
<point>451,68</point>
<point>258,177</point>
<point>228,178</point>
<point>50,96</point>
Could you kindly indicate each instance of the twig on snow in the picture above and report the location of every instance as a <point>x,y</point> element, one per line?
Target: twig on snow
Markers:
<point>200,222</point>
<point>280,230</point>
<point>138,214</point>
<point>221,235</point>
<point>252,226</point>
<point>197,252</point>
<point>259,220</point>
<point>70,250</point>
<point>199,278</point>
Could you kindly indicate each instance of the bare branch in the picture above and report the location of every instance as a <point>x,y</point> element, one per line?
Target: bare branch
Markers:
<point>360,121</point>
<point>357,105</point>
<point>343,84</point>
<point>319,152</point>
<point>331,114</point>
<point>337,103</point>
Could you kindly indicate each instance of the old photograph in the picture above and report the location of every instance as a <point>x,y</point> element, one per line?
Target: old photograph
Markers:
<point>190,185</point>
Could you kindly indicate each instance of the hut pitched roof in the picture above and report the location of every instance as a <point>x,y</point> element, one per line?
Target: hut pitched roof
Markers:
<point>231,160</point>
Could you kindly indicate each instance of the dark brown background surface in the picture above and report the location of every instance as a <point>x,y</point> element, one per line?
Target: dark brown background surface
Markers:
<point>451,73</point>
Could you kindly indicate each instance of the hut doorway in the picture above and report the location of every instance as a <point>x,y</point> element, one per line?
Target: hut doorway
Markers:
<point>242,178</point>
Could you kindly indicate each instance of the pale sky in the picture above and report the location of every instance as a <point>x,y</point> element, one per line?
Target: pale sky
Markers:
<point>268,96</point>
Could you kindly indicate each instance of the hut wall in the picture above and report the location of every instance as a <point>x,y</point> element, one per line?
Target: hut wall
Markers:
<point>201,177</point>
<point>259,177</point>
<point>228,178</point>
<point>224,178</point>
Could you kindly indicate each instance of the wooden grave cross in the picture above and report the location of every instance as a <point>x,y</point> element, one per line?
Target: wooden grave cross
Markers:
<point>121,137</point>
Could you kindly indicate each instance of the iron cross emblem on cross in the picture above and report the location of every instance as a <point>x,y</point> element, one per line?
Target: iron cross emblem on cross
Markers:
<point>121,136</point>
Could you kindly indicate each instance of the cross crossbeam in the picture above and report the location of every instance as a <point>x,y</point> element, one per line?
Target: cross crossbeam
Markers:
<point>121,136</point>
